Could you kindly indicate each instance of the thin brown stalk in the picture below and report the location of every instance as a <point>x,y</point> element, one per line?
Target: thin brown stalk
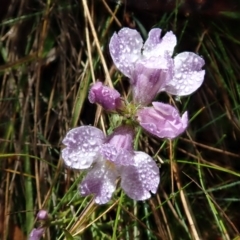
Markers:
<point>184,200</point>
<point>105,68</point>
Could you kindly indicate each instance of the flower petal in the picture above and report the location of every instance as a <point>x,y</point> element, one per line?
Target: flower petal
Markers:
<point>188,76</point>
<point>155,46</point>
<point>116,155</point>
<point>153,39</point>
<point>36,234</point>
<point>122,137</point>
<point>107,97</point>
<point>162,120</point>
<point>118,147</point>
<point>82,146</point>
<point>150,76</point>
<point>125,48</point>
<point>100,181</point>
<point>139,179</point>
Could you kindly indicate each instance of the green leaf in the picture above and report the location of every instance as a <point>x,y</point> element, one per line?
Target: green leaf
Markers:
<point>68,235</point>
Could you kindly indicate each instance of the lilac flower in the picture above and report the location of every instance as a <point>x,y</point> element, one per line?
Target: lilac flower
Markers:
<point>162,120</point>
<point>151,69</point>
<point>109,158</point>
<point>107,97</point>
<point>36,234</point>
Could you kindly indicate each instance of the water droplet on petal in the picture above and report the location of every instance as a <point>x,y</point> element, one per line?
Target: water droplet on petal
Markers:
<point>92,141</point>
<point>178,75</point>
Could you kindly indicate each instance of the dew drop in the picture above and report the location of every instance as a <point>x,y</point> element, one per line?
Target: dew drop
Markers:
<point>85,145</point>
<point>178,75</point>
<point>105,92</point>
<point>92,141</point>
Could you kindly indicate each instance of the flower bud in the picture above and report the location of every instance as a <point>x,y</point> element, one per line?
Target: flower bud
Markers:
<point>36,234</point>
<point>107,97</point>
<point>162,120</point>
<point>42,215</point>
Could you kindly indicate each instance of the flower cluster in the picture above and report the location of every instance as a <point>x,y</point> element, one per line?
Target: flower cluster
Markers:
<point>151,69</point>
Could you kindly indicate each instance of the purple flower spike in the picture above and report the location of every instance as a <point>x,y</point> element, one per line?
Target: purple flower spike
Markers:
<point>107,97</point>
<point>36,234</point>
<point>114,157</point>
<point>162,120</point>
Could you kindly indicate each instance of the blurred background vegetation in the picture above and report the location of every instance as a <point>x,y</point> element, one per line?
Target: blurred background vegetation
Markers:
<point>50,52</point>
